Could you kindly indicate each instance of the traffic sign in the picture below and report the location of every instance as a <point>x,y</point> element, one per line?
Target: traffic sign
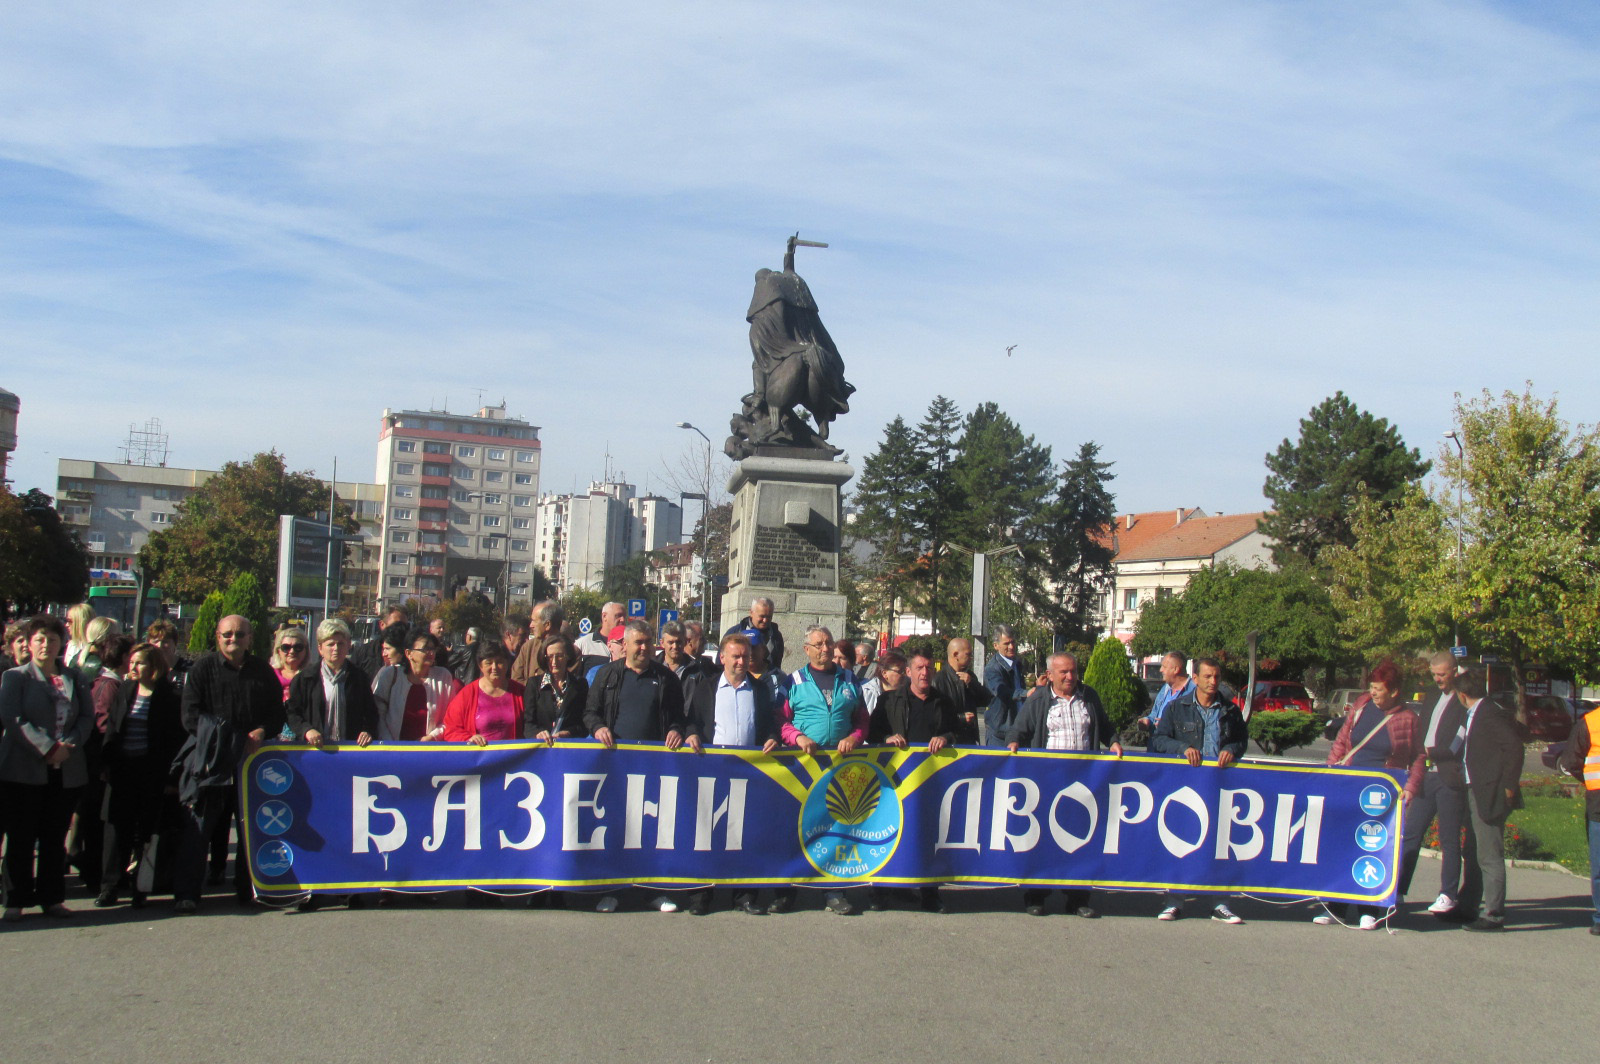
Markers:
<point>668,616</point>
<point>636,607</point>
<point>1458,652</point>
<point>585,626</point>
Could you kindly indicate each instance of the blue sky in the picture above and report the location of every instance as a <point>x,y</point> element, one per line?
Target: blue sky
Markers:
<point>263,223</point>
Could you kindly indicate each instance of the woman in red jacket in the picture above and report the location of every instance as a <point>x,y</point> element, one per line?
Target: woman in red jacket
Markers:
<point>491,708</point>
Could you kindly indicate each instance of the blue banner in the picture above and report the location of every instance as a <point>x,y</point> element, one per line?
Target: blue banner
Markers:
<point>511,816</point>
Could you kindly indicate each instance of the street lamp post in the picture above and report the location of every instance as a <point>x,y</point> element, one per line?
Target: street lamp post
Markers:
<point>705,533</point>
<point>1461,513</point>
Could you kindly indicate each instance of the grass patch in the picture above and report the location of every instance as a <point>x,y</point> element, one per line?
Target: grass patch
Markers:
<point>1556,830</point>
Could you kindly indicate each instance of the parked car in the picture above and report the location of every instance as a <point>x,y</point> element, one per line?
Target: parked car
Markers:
<point>1341,700</point>
<point>1272,695</point>
<point>1549,717</point>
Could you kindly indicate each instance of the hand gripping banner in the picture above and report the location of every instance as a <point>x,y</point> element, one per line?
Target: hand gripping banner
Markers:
<point>520,816</point>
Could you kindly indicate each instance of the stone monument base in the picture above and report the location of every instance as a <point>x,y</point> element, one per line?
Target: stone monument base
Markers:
<point>783,544</point>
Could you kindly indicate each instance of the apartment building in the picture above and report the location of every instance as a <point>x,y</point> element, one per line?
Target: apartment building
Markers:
<point>580,535</point>
<point>114,507</point>
<point>462,496</point>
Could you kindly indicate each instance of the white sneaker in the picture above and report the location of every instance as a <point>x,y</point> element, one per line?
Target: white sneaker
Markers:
<point>1226,915</point>
<point>1171,912</point>
<point>607,904</point>
<point>1369,923</point>
<point>1444,903</point>
<point>665,904</point>
<point>1323,919</point>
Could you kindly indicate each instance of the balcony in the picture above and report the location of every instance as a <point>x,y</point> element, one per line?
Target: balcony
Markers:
<point>430,570</point>
<point>433,526</point>
<point>443,481</point>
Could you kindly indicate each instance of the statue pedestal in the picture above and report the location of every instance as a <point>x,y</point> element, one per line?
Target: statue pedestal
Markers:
<point>784,543</point>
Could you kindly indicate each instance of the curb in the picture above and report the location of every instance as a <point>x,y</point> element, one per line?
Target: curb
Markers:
<point>1513,862</point>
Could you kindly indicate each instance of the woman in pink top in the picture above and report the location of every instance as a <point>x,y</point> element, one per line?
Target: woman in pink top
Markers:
<point>490,709</point>
<point>291,652</point>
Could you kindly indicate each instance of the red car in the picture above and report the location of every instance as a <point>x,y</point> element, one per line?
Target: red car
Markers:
<point>1272,695</point>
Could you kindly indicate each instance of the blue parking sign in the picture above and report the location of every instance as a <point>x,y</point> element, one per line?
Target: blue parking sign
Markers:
<point>636,607</point>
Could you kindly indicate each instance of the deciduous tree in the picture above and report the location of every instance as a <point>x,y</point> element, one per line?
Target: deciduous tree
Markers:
<point>229,525</point>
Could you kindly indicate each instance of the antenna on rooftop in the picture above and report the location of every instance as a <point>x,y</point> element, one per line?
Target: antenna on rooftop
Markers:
<point>146,446</point>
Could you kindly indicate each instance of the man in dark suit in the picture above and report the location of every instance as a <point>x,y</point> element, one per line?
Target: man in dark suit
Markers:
<point>1492,762</point>
<point>1443,796</point>
<point>732,710</point>
<point>963,688</point>
<point>1002,676</point>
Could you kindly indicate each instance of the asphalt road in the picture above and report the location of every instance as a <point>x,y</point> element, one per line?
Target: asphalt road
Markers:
<point>459,981</point>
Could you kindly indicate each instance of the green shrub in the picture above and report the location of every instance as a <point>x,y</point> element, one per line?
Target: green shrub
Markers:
<point>203,636</point>
<point>244,597</point>
<point>1284,729</point>
<point>1110,673</point>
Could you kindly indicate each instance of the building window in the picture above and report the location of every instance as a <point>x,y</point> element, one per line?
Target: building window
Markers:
<point>428,583</point>
<point>519,567</point>
<point>399,559</point>
<point>496,455</point>
<point>524,479</point>
<point>461,519</point>
<point>466,452</point>
<point>521,522</point>
<point>458,540</point>
<point>435,491</point>
<point>491,520</point>
<point>435,447</point>
<point>159,518</point>
<point>1163,593</point>
<point>494,476</point>
<point>404,491</point>
<point>492,499</point>
<point>399,535</point>
<point>162,493</point>
<point>435,469</point>
<point>400,513</point>
<point>524,456</point>
<point>463,473</point>
<point>521,500</point>
<point>398,581</point>
<point>519,544</point>
<point>408,446</point>
<point>489,543</point>
<point>1130,599</point>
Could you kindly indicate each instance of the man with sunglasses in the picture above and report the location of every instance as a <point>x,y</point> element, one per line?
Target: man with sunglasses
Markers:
<point>231,704</point>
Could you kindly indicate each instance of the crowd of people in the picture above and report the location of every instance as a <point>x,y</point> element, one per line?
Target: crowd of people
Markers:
<point>122,758</point>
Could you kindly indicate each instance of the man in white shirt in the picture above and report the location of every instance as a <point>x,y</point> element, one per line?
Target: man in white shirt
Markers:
<point>733,711</point>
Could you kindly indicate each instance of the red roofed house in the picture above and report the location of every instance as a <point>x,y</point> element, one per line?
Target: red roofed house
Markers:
<point>1174,546</point>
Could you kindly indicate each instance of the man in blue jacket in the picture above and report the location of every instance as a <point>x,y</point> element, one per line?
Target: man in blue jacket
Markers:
<point>1201,726</point>
<point>1002,675</point>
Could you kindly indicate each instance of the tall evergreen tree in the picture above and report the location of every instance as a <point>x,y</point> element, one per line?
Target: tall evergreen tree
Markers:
<point>1078,553</point>
<point>936,504</point>
<point>883,501</point>
<point>1313,483</point>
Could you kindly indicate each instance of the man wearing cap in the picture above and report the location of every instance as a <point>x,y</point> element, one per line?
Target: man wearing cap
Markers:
<point>593,645</point>
<point>614,652</point>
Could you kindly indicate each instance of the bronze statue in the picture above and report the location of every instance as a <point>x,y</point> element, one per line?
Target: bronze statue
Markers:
<point>796,364</point>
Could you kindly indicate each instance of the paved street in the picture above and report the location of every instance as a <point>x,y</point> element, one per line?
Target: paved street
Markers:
<point>464,982</point>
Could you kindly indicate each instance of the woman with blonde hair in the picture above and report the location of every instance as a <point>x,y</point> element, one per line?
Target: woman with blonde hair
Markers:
<point>78,618</point>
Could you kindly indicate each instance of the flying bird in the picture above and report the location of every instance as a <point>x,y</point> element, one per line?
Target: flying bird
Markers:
<point>1010,349</point>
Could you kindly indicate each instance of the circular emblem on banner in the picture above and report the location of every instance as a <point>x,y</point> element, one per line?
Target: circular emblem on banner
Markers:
<point>850,820</point>
<point>274,858</point>
<point>1376,799</point>
<point>1371,836</point>
<point>274,776</point>
<point>1368,872</point>
<point>274,817</point>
